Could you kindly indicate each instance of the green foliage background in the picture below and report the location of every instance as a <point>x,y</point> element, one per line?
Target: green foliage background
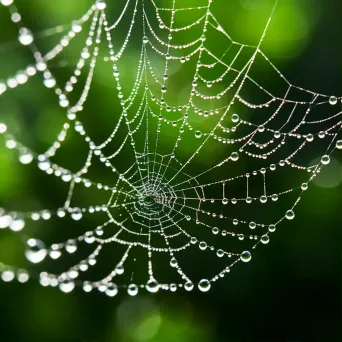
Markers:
<point>291,290</point>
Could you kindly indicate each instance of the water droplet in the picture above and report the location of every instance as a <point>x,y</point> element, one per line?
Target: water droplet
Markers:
<point>76,26</point>
<point>76,214</point>
<point>7,276</point>
<point>5,221</point>
<point>246,256</point>
<point>36,251</point>
<point>17,223</point>
<point>198,134</point>
<point>188,286</point>
<point>252,225</point>
<point>25,157</point>
<point>163,89</point>
<point>25,36</point>
<point>235,118</point>
<point>325,160</point>
<point>152,286</point>
<point>215,230</point>
<point>145,40</point>
<point>112,290</point>
<point>224,201</point>
<point>101,5</point>
<point>22,276</point>
<point>339,144</point>
<point>277,134</point>
<point>265,239</point>
<point>87,287</point>
<point>332,100</point>
<point>263,199</point>
<point>67,286</point>
<point>132,290</point>
<point>304,186</point>
<point>55,253</point>
<point>119,269</point>
<point>49,82</point>
<point>173,262</point>
<point>290,215</point>
<point>234,156</point>
<point>204,285</point>
<point>71,246</point>
<point>6,2</point>
<point>203,245</point>
<point>220,253</point>
<point>272,228</point>
<point>44,164</point>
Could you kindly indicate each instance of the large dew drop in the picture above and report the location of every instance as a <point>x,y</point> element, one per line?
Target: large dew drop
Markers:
<point>71,246</point>
<point>25,36</point>
<point>17,224</point>
<point>66,286</point>
<point>204,285</point>
<point>325,160</point>
<point>290,215</point>
<point>101,5</point>
<point>246,256</point>
<point>112,290</point>
<point>76,214</point>
<point>36,251</point>
<point>132,290</point>
<point>152,286</point>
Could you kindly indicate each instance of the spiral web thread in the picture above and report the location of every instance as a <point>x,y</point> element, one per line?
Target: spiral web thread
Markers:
<point>156,204</point>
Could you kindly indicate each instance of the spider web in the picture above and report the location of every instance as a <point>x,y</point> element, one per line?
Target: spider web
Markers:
<point>193,167</point>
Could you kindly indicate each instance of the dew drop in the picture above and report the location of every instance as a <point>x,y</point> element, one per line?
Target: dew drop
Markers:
<point>17,223</point>
<point>25,36</point>
<point>152,286</point>
<point>252,225</point>
<point>132,290</point>
<point>246,256</point>
<point>339,144</point>
<point>220,253</point>
<point>290,215</point>
<point>332,100</point>
<point>44,164</point>
<point>49,82</point>
<point>25,157</point>
<point>173,262</point>
<point>198,134</point>
<point>304,186</point>
<point>76,214</point>
<point>112,290</point>
<point>22,276</point>
<point>325,160</point>
<point>101,5</point>
<point>76,26</point>
<point>36,251</point>
<point>203,245</point>
<point>234,156</point>
<point>188,286</point>
<point>265,239</point>
<point>67,286</point>
<point>145,40</point>
<point>204,285</point>
<point>71,246</point>
<point>235,118</point>
<point>272,228</point>
<point>119,269</point>
<point>6,2</point>
<point>215,230</point>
